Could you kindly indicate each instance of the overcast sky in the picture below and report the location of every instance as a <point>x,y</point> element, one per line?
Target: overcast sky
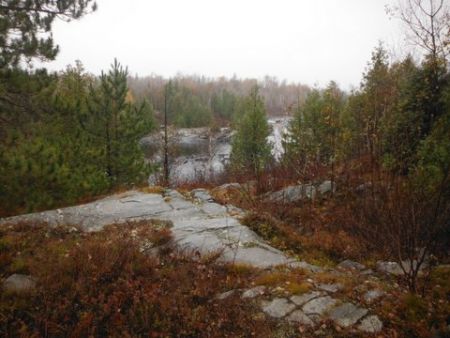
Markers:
<point>308,41</point>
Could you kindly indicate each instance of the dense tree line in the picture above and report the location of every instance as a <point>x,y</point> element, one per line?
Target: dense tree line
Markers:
<point>391,118</point>
<point>215,99</point>
<point>67,136</point>
<point>63,136</point>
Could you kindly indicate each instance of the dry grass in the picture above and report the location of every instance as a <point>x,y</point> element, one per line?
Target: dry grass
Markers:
<point>153,189</point>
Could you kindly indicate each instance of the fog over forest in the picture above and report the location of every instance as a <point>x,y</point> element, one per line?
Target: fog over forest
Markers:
<point>309,42</point>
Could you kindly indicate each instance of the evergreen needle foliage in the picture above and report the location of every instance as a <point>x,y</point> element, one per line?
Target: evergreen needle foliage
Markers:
<point>251,150</point>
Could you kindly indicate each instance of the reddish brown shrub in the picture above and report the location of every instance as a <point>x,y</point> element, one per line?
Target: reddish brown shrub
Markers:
<point>103,284</point>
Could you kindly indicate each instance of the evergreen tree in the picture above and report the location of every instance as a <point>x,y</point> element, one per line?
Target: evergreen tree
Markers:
<point>117,126</point>
<point>314,131</point>
<point>333,106</point>
<point>419,104</point>
<point>224,104</point>
<point>353,140</point>
<point>303,139</point>
<point>46,159</point>
<point>21,22</point>
<point>376,89</point>
<point>187,110</point>
<point>251,150</point>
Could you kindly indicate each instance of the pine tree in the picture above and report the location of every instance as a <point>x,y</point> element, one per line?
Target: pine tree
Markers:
<point>251,150</point>
<point>303,140</point>
<point>46,159</point>
<point>314,131</point>
<point>118,125</point>
<point>22,22</point>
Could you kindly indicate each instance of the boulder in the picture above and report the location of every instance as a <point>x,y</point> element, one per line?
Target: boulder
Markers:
<point>326,187</point>
<point>227,192</point>
<point>350,265</point>
<point>229,186</point>
<point>19,283</point>
<point>363,187</point>
<point>394,268</point>
<point>293,193</point>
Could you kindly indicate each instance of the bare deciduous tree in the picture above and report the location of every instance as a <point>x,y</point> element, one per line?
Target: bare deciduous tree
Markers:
<point>428,24</point>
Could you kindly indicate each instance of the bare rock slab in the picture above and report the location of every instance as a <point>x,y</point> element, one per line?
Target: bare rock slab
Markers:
<point>330,287</point>
<point>347,314</point>
<point>319,306</point>
<point>205,227</point>
<point>256,256</point>
<point>278,308</point>
<point>214,209</point>
<point>305,266</point>
<point>254,292</point>
<point>372,295</point>
<point>371,324</point>
<point>299,317</point>
<point>226,294</point>
<point>302,299</point>
<point>202,195</point>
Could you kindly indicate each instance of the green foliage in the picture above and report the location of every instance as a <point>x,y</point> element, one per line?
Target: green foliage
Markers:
<point>419,104</point>
<point>314,131</point>
<point>50,154</point>
<point>401,125</point>
<point>224,104</point>
<point>22,23</point>
<point>433,169</point>
<point>352,120</point>
<point>185,109</point>
<point>251,150</point>
<point>116,126</point>
<point>24,97</point>
<point>46,159</point>
<point>37,174</point>
<point>376,91</point>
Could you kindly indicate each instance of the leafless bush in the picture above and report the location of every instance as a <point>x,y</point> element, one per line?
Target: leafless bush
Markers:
<point>406,223</point>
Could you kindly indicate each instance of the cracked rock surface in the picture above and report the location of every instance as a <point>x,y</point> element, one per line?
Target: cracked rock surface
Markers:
<point>201,225</point>
<point>309,309</point>
<point>198,225</point>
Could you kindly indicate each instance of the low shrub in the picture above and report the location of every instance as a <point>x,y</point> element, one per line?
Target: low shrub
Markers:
<point>107,284</point>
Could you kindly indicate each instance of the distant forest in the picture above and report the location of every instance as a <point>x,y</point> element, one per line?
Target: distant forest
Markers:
<point>206,99</point>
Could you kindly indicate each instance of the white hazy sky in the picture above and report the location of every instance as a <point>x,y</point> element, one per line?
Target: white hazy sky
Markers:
<point>308,41</point>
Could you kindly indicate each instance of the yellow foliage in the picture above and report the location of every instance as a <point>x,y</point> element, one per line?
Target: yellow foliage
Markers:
<point>129,98</point>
